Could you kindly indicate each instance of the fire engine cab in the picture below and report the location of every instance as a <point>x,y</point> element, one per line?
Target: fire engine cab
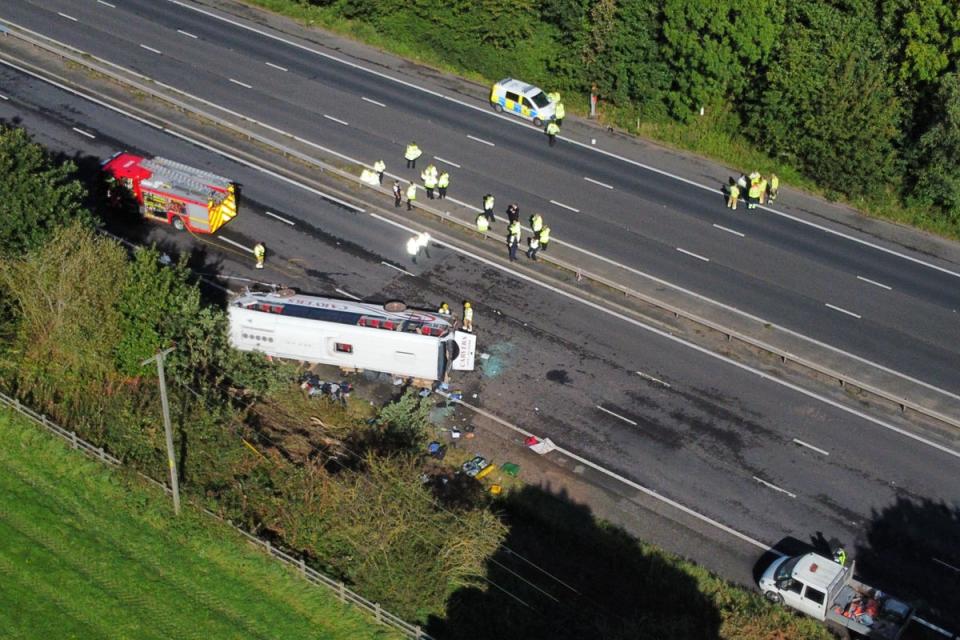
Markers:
<point>172,192</point>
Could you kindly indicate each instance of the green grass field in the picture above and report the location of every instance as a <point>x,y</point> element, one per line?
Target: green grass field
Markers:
<point>87,554</point>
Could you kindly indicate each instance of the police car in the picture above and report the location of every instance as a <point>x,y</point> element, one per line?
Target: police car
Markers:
<point>522,99</point>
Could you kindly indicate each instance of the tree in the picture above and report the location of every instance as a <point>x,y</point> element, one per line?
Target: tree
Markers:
<point>829,103</point>
<point>926,38</point>
<point>65,294</point>
<point>716,48</point>
<point>933,162</point>
<point>37,196</point>
<point>156,305</point>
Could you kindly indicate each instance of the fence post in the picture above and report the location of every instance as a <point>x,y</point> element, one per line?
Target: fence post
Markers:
<point>341,591</point>
<point>16,404</point>
<point>303,566</point>
<point>269,547</point>
<point>43,420</point>
<point>73,440</point>
<point>376,608</point>
<point>100,453</point>
<point>419,632</point>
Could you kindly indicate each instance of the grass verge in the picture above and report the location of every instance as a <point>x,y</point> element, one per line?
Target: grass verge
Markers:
<point>87,553</point>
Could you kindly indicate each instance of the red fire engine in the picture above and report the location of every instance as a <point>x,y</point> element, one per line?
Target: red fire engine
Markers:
<point>173,192</point>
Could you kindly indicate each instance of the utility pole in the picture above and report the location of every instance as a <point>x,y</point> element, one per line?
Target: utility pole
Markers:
<point>171,459</point>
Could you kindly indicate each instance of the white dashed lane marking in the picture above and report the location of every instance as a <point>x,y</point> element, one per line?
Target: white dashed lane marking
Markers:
<point>565,206</point>
<point>481,140</point>
<point>337,120</point>
<point>186,33</point>
<point>692,254</point>
<point>242,84</point>
<point>275,66</point>
<point>617,415</point>
<point>281,219</point>
<point>366,99</point>
<point>151,49</point>
<point>810,446</point>
<point>59,13</point>
<point>874,283</point>
<point>736,233</point>
<point>774,487</point>
<point>597,182</point>
<point>842,310</point>
<point>84,133</point>
<point>445,161</point>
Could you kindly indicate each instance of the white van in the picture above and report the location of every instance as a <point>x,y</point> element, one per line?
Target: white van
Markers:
<point>522,99</point>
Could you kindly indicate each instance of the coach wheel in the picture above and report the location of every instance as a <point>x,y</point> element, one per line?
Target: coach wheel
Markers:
<point>178,224</point>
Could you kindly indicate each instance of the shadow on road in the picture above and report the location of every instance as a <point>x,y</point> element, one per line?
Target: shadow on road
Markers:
<point>912,549</point>
<point>575,579</point>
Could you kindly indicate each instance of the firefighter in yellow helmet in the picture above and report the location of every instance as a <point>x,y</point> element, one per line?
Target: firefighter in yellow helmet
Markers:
<point>467,317</point>
<point>259,252</point>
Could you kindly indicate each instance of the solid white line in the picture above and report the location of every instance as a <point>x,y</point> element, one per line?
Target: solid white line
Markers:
<point>650,492</point>
<point>256,167</point>
<point>518,122</point>
<point>347,293</point>
<point>337,120</point>
<point>736,233</point>
<point>619,478</point>
<point>652,379</point>
<point>82,132</point>
<point>242,84</point>
<point>151,49</point>
<point>176,134</point>
<point>693,255</point>
<point>769,377</point>
<point>930,625</point>
<point>774,487</point>
<point>187,33</point>
<point>452,164</point>
<point>366,99</point>
<point>842,310</point>
<point>59,13</point>
<point>565,206</point>
<point>385,263</point>
<point>107,4</point>
<point>514,121</point>
<point>234,243</point>
<point>275,66</point>
<point>273,215</point>
<point>617,415</point>
<point>946,564</point>
<point>810,446</point>
<point>602,184</point>
<point>481,140</point>
<point>875,283</point>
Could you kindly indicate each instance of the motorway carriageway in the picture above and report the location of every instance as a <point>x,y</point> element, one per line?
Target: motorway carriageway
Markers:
<point>747,453</point>
<point>897,309</point>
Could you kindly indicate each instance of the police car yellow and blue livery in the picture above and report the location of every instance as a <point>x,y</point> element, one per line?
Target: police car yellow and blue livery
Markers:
<point>522,99</point>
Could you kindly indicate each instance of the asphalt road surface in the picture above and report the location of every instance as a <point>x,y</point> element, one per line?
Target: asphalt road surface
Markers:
<point>744,451</point>
<point>896,311</point>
